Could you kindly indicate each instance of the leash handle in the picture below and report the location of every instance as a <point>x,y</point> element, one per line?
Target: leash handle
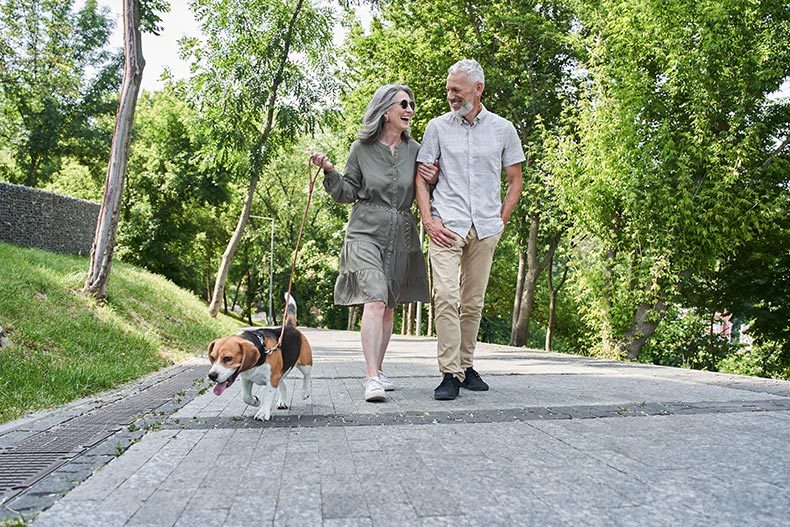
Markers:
<point>312,179</point>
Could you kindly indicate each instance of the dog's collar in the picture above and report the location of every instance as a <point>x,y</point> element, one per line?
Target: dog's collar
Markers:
<point>257,340</point>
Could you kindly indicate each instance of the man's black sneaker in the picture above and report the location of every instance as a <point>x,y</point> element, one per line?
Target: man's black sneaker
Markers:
<point>473,382</point>
<point>448,390</point>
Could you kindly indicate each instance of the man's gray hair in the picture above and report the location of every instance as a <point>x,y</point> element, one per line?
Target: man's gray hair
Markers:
<point>373,120</point>
<point>473,70</point>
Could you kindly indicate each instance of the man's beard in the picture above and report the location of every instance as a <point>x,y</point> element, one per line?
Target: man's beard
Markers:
<point>464,110</point>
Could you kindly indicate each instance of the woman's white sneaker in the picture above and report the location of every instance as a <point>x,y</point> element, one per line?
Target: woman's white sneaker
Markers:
<point>374,390</point>
<point>386,382</point>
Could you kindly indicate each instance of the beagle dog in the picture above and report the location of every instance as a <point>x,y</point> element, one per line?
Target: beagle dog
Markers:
<point>254,357</point>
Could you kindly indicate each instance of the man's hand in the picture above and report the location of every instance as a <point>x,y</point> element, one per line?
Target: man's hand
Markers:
<point>429,172</point>
<point>438,234</point>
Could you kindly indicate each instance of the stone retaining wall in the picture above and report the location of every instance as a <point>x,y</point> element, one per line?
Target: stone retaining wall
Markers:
<point>31,217</point>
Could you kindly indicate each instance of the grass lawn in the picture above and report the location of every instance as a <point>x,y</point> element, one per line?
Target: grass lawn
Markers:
<point>65,346</point>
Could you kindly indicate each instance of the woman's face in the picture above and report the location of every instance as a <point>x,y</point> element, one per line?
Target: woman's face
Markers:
<point>400,117</point>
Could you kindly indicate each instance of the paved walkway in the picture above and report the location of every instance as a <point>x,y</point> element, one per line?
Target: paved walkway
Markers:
<point>559,440</point>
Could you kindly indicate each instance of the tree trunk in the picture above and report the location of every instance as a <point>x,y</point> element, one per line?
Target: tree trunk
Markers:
<point>522,268</point>
<point>553,302</point>
<point>645,323</point>
<point>109,214</point>
<point>233,245</point>
<point>208,276</point>
<point>534,268</point>
<point>257,165</point>
<point>352,318</point>
<point>429,329</point>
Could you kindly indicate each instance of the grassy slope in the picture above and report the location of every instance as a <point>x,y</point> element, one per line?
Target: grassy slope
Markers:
<point>66,346</point>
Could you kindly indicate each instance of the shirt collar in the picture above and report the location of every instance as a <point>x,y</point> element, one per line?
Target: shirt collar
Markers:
<point>478,118</point>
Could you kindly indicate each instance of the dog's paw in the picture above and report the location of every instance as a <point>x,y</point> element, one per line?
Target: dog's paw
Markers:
<point>281,405</point>
<point>252,401</point>
<point>261,415</point>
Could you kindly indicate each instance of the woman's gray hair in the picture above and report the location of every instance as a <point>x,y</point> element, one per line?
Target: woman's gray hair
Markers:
<point>373,120</point>
<point>473,70</point>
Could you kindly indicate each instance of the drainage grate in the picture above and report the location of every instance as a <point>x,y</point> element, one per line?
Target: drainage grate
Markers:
<point>19,469</point>
<point>28,461</point>
<point>73,437</point>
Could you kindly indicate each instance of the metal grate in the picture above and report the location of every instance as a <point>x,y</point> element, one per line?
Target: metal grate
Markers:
<point>28,461</point>
<point>18,470</point>
<point>73,437</point>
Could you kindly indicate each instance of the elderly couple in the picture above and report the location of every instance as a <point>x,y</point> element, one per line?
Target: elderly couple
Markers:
<point>456,176</point>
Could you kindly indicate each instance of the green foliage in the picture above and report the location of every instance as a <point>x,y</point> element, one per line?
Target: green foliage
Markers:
<point>756,279</point>
<point>282,195</point>
<point>66,346</point>
<point>766,359</point>
<point>76,180</point>
<point>238,64</point>
<point>528,80</point>
<point>687,339</point>
<point>56,79</point>
<point>674,137</point>
<point>650,139</point>
<point>174,192</point>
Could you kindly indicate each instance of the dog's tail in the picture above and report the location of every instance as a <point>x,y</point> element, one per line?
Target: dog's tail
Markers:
<point>290,313</point>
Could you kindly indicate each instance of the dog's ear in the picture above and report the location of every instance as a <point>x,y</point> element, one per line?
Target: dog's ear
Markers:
<point>249,354</point>
<point>210,349</point>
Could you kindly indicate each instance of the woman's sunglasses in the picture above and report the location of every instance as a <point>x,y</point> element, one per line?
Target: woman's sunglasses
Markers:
<point>405,104</point>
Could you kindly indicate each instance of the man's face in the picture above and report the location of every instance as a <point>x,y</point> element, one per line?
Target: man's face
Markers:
<point>461,93</point>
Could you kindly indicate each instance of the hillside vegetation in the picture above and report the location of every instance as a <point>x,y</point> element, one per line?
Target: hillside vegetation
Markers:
<point>65,346</point>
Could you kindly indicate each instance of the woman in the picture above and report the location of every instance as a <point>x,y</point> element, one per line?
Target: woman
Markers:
<point>382,263</point>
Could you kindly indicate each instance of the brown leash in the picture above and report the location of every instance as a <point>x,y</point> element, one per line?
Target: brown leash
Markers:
<point>312,179</point>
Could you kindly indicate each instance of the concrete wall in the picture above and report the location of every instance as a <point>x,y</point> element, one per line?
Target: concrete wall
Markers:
<point>31,217</point>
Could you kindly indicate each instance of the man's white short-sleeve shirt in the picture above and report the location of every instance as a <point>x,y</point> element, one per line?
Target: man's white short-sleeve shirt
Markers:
<point>471,161</point>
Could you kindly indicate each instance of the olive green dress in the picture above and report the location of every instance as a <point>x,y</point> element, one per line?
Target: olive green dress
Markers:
<point>382,257</point>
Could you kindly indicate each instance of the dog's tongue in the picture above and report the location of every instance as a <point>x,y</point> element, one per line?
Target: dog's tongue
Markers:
<point>220,387</point>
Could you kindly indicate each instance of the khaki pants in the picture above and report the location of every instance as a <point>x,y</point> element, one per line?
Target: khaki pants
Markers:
<point>460,277</point>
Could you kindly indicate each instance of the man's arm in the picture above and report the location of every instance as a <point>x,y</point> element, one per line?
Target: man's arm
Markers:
<point>514,185</point>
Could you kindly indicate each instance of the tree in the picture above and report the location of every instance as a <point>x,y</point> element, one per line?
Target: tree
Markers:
<point>674,138</point>
<point>109,213</point>
<point>260,75</point>
<point>526,51</point>
<point>56,78</point>
<point>173,206</point>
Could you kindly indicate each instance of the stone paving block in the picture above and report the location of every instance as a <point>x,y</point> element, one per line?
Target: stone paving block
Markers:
<point>348,522</point>
<point>343,504</point>
<point>253,505</point>
<point>162,508</point>
<point>391,513</point>
<point>106,481</point>
<point>192,516</point>
<point>428,498</point>
<point>289,517</point>
<point>81,513</point>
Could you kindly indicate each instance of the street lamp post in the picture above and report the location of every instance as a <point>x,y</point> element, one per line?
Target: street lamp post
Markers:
<point>271,265</point>
<point>419,304</point>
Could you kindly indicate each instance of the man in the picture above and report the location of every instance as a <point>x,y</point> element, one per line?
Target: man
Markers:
<point>465,220</point>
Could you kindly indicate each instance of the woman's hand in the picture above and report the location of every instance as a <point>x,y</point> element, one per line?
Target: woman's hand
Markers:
<point>429,172</point>
<point>319,159</point>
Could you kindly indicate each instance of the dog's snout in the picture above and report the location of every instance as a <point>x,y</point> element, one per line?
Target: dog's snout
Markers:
<point>213,376</point>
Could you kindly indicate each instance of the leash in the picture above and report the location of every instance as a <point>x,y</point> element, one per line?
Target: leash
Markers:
<point>312,179</point>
